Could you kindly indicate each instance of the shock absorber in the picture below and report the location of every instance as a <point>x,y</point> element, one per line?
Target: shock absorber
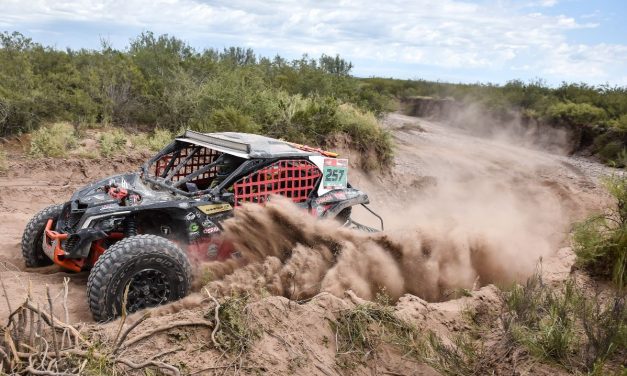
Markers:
<point>130,229</point>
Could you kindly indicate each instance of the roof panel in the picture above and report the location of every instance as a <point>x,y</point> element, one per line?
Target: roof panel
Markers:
<point>240,144</point>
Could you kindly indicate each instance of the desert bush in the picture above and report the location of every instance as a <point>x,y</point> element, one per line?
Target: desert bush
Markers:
<point>112,142</point>
<point>620,123</point>
<point>159,139</point>
<point>577,114</point>
<point>53,141</point>
<point>155,141</point>
<point>366,136</point>
<point>547,325</point>
<point>610,153</point>
<point>565,325</point>
<point>315,121</point>
<point>228,119</point>
<point>600,242</point>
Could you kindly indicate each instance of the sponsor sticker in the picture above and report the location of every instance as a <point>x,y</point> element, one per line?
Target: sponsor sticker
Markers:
<point>211,230</point>
<point>190,216</point>
<point>214,208</point>
<point>193,227</point>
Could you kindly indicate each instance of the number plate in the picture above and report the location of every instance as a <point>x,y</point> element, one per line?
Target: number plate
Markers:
<point>335,173</point>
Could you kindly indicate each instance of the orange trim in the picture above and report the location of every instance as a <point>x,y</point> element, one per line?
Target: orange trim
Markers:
<point>310,148</point>
<point>59,253</point>
<point>97,248</point>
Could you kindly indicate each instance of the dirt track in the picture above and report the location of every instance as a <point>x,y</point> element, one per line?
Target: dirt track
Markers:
<point>527,198</point>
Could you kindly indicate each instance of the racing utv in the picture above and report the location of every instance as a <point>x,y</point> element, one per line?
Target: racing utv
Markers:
<point>141,230</point>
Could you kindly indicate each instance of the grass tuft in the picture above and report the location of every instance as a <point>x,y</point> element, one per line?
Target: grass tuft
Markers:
<point>564,325</point>
<point>461,357</point>
<point>360,331</point>
<point>54,141</point>
<point>236,334</point>
<point>153,142</point>
<point>112,142</point>
<point>600,242</point>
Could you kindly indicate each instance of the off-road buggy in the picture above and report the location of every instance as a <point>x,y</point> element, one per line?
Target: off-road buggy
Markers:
<point>143,229</point>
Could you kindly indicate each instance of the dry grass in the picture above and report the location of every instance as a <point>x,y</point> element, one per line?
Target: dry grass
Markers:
<point>234,332</point>
<point>360,331</point>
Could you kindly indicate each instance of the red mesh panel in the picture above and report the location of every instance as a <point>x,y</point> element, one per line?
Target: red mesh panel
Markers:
<point>295,179</point>
<point>202,157</point>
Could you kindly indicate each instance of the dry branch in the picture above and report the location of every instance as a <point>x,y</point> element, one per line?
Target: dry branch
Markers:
<point>149,363</point>
<point>55,345</point>
<point>216,315</point>
<point>37,328</point>
<point>167,327</point>
<point>33,371</point>
<point>118,344</point>
<point>124,314</point>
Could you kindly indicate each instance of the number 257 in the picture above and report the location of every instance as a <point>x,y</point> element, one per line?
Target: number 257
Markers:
<point>334,175</point>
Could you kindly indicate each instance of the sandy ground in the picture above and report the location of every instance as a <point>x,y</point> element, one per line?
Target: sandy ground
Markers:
<point>440,175</point>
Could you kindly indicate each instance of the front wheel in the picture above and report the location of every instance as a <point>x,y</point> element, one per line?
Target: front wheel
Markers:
<point>155,270</point>
<point>33,236</point>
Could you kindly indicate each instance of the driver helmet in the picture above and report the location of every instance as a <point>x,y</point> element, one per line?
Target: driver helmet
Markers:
<point>227,165</point>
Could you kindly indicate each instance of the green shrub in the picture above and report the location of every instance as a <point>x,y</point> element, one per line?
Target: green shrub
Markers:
<point>577,114</point>
<point>155,141</point>
<point>564,325</point>
<point>54,141</point>
<point>229,120</point>
<point>552,334</point>
<point>366,136</point>
<point>159,139</point>
<point>611,153</point>
<point>600,242</point>
<point>112,142</point>
<point>620,123</point>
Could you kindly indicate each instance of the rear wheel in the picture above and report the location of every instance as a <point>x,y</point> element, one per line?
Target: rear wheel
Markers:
<point>32,237</point>
<point>155,270</point>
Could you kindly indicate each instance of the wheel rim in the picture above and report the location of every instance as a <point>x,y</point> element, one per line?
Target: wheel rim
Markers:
<point>147,288</point>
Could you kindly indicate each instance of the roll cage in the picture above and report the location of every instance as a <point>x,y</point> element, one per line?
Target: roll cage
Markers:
<point>191,165</point>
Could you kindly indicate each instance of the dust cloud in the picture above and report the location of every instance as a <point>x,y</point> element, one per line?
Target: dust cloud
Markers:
<point>490,212</point>
<point>287,252</point>
<point>510,126</point>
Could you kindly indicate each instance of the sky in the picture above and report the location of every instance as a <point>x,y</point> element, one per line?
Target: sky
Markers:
<point>445,40</point>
